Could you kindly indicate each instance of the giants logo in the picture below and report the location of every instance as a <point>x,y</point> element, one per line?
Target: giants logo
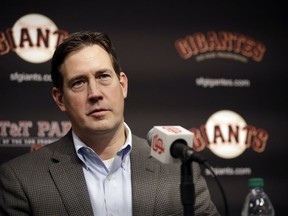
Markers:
<point>227,135</point>
<point>33,38</point>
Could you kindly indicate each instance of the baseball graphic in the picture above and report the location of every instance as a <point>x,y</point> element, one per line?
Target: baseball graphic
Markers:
<point>226,145</point>
<point>35,38</point>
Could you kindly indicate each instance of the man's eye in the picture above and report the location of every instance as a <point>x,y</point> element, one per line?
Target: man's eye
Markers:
<point>78,84</point>
<point>104,76</point>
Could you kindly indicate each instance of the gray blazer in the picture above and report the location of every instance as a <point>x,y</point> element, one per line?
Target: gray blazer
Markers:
<point>50,182</point>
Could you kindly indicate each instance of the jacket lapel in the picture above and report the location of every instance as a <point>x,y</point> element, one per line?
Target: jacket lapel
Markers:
<point>69,178</point>
<point>144,178</point>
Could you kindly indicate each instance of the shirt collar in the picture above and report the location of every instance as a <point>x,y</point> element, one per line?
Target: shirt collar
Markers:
<point>78,144</point>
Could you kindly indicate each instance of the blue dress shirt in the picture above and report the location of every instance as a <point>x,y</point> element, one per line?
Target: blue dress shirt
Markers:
<point>109,188</point>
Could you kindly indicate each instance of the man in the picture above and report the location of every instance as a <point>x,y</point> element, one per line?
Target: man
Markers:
<point>99,167</point>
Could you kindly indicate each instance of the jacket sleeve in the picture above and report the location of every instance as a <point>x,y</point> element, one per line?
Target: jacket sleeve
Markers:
<point>12,198</point>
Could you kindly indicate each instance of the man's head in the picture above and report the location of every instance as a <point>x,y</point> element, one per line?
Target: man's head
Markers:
<point>75,42</point>
<point>88,84</point>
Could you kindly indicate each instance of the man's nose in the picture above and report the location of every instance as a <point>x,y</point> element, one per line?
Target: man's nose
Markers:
<point>94,90</point>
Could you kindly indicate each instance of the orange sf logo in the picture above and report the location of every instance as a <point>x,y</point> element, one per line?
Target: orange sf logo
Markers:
<point>157,145</point>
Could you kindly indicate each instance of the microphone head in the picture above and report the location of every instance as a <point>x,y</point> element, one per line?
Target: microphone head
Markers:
<point>160,138</point>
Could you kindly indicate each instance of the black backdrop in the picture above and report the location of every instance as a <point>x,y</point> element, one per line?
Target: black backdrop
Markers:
<point>164,89</point>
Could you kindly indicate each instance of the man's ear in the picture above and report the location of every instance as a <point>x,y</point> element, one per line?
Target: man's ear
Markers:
<point>124,84</point>
<point>58,98</point>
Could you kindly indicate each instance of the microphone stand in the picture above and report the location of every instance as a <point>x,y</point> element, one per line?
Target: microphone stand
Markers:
<point>187,187</point>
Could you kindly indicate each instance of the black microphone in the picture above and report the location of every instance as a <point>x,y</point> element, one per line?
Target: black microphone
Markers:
<point>169,143</point>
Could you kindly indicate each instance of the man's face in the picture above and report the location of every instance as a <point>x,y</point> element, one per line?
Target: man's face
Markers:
<point>93,96</point>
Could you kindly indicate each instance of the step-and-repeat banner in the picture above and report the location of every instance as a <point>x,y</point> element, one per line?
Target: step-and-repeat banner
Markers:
<point>217,69</point>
